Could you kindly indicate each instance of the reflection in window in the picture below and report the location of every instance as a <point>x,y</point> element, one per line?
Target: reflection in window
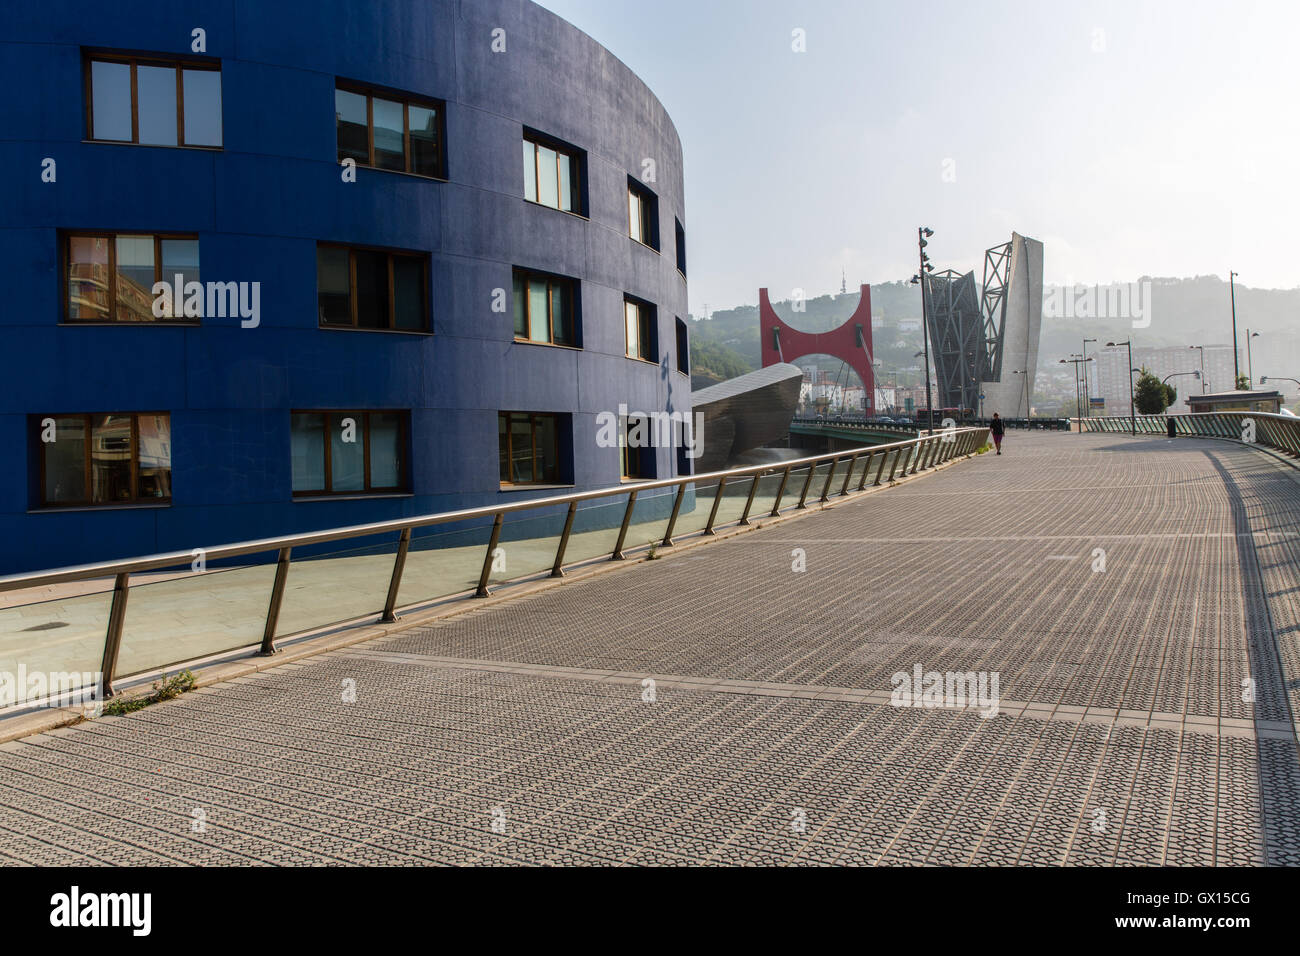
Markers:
<point>387,133</point>
<point>372,288</point>
<point>642,214</point>
<point>639,319</point>
<point>529,448</point>
<point>637,460</point>
<point>154,102</point>
<point>551,174</point>
<point>110,276</point>
<point>545,308</point>
<point>340,453</point>
<point>105,459</point>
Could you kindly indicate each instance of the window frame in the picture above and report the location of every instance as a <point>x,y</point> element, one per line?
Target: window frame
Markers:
<point>648,202</point>
<point>553,281</point>
<point>683,346</point>
<point>135,500</point>
<point>561,419</point>
<point>627,453</point>
<point>680,237</point>
<point>135,60</point>
<point>407,100</point>
<point>355,326</point>
<point>65,271</point>
<point>647,322</point>
<point>363,415</point>
<point>578,171</point>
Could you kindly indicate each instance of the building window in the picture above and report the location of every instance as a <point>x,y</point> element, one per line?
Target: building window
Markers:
<point>389,132</point>
<point>532,448</point>
<point>153,102</point>
<point>372,288</point>
<point>105,459</point>
<point>639,319</point>
<point>546,308</point>
<point>681,248</point>
<point>348,453</point>
<point>552,173</point>
<point>683,349</point>
<point>635,448</point>
<point>642,214</point>
<point>109,277</point>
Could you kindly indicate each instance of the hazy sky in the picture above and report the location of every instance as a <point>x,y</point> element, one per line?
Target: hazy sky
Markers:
<point>1132,138</point>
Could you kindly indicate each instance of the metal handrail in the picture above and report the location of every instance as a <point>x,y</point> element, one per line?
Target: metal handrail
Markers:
<point>942,445</point>
<point>1279,432</point>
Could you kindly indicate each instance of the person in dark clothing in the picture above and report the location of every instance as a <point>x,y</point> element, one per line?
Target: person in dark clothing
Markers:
<point>997,429</point>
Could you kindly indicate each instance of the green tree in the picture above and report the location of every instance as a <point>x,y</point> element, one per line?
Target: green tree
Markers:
<point>1243,383</point>
<point>1151,396</point>
<point>1171,395</point>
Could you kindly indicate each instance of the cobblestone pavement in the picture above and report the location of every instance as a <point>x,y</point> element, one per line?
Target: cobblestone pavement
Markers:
<point>1137,599</point>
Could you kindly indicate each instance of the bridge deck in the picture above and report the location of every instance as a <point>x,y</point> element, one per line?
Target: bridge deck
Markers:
<point>1122,737</point>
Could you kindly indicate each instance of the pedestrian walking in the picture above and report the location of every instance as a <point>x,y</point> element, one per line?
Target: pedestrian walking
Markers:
<point>998,430</point>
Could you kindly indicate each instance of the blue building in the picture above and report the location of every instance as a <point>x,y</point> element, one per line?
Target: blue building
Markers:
<point>277,267</point>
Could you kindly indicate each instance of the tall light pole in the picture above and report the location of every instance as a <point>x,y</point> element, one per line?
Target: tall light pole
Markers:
<point>1202,351</point>
<point>1132,406</point>
<point>1232,290</point>
<point>1025,373</point>
<point>1250,363</point>
<point>1080,365</point>
<point>1087,396</point>
<point>922,234</point>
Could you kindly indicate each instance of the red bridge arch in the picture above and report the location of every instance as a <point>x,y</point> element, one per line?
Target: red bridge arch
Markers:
<point>851,342</point>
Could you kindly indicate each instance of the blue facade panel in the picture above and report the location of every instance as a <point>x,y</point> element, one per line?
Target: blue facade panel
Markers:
<point>260,205</point>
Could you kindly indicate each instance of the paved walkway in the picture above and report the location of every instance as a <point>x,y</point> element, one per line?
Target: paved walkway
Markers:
<point>1145,713</point>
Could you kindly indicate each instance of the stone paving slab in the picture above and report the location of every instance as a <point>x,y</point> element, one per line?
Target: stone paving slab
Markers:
<point>522,733</point>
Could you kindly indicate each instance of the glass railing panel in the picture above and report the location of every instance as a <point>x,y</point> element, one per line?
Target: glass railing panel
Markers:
<point>194,611</point>
<point>444,560</point>
<point>595,529</point>
<point>694,513</point>
<point>49,632</point>
<point>337,586</point>
<point>527,544</point>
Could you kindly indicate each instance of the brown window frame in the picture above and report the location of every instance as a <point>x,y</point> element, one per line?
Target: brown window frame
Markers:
<point>552,283</point>
<point>134,61</point>
<point>649,224</point>
<point>392,298</point>
<point>407,101</point>
<point>158,237</point>
<point>627,452</point>
<point>89,501</point>
<point>363,415</point>
<point>577,171</point>
<point>646,319</point>
<point>560,421</point>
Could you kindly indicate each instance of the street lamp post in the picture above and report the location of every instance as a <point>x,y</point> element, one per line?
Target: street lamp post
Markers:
<point>1201,349</point>
<point>1236,367</point>
<point>1250,363</point>
<point>1087,395</point>
<point>1080,366</point>
<point>1132,406</point>
<point>922,234</point>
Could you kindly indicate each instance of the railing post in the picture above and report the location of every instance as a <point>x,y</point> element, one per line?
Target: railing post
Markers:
<point>866,470</point>
<point>830,476</point>
<point>672,519</point>
<point>399,563</point>
<point>113,636</point>
<point>915,461</point>
<point>749,502</point>
<point>880,472</point>
<point>277,598</point>
<point>557,569</point>
<point>487,558</point>
<point>898,455</point>
<point>622,531</point>
<point>717,500</point>
<point>848,475</point>
<point>780,493</point>
<point>807,483</point>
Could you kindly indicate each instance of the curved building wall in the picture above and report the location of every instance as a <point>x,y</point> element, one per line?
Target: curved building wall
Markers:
<point>261,203</point>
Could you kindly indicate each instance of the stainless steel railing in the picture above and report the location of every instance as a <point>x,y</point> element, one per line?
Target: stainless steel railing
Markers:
<point>917,454</point>
<point>1279,432</point>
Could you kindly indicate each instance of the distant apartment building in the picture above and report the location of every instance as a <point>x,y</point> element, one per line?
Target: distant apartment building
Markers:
<point>1107,377</point>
